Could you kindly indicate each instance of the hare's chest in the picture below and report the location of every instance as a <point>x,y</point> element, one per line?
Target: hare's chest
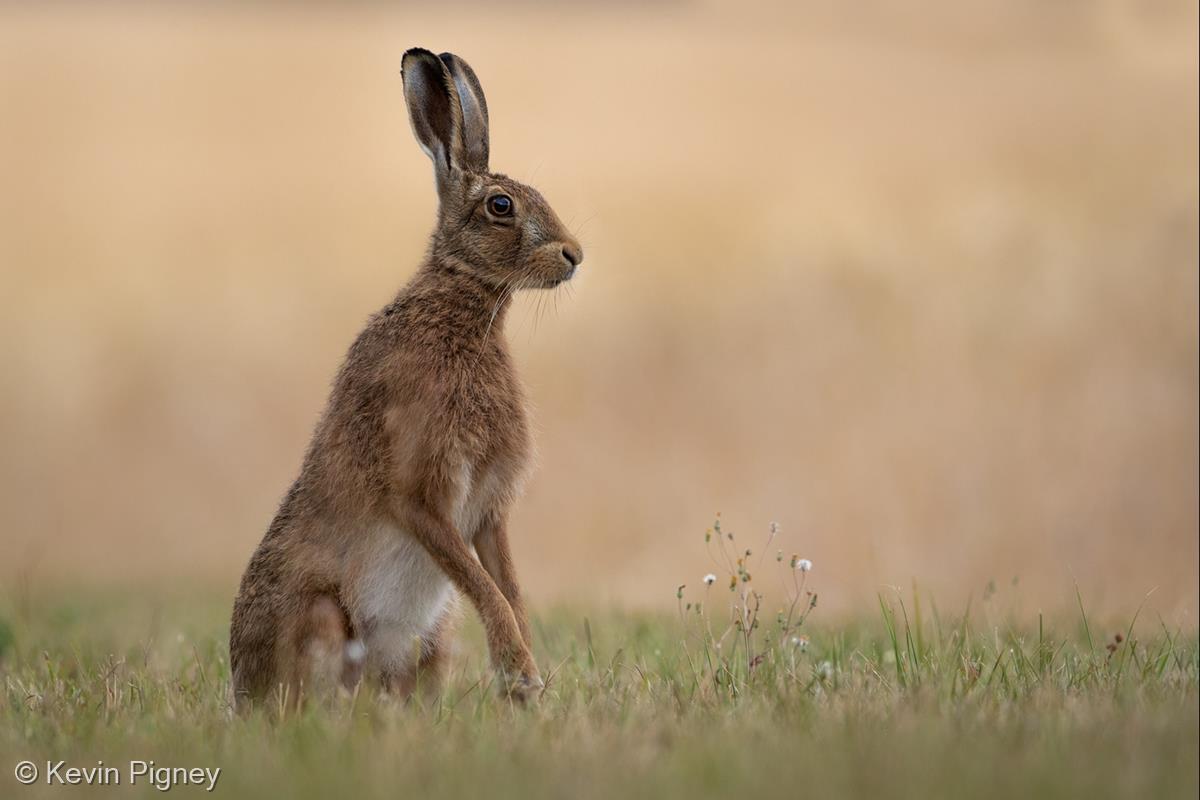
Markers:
<point>493,458</point>
<point>491,419</point>
<point>481,490</point>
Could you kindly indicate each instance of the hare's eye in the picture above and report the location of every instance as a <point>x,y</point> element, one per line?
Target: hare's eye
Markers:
<point>500,205</point>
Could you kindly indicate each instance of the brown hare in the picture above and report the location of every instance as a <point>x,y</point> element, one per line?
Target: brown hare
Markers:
<point>405,490</point>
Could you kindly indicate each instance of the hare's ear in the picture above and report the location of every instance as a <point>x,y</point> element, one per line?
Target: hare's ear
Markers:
<point>434,111</point>
<point>474,112</point>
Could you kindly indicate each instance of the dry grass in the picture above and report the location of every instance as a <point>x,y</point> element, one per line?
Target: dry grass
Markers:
<point>921,285</point>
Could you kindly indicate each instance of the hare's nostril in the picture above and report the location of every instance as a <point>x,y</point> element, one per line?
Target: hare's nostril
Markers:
<point>573,254</point>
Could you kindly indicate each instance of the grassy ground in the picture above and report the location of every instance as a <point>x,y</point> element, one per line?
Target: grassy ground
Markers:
<point>639,705</point>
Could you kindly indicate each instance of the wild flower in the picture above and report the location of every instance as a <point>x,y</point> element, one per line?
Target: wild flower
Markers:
<point>750,645</point>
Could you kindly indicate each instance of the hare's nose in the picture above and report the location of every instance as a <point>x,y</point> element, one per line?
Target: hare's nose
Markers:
<point>573,253</point>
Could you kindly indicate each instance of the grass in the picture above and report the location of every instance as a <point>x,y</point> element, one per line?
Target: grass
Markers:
<point>907,703</point>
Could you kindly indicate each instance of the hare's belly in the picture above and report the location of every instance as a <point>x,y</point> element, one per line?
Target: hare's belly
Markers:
<point>398,595</point>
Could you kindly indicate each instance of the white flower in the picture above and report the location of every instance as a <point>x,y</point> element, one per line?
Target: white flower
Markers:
<point>804,565</point>
<point>800,643</point>
<point>710,579</point>
<point>825,670</point>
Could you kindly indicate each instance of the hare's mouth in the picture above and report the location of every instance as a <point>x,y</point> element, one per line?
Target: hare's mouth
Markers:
<point>553,283</point>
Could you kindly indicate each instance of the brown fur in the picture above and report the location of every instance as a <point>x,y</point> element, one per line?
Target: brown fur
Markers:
<point>422,448</point>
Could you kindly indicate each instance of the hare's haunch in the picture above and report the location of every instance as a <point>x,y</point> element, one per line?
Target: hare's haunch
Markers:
<point>404,493</point>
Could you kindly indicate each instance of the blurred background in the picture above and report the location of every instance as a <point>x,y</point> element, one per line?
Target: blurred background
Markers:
<point>919,282</point>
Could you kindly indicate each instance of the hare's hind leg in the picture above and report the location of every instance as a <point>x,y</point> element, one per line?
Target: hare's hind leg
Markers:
<point>324,653</point>
<point>253,648</point>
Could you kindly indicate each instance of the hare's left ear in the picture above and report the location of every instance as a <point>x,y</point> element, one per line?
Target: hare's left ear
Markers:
<point>474,112</point>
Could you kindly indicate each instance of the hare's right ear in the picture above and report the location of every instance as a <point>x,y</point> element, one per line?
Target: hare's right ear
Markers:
<point>474,112</point>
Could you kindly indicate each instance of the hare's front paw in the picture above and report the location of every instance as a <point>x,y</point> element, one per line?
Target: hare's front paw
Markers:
<point>524,687</point>
<point>527,688</point>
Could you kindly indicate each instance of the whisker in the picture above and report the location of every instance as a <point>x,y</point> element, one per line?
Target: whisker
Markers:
<point>537,313</point>
<point>579,230</point>
<point>528,310</point>
<point>510,288</point>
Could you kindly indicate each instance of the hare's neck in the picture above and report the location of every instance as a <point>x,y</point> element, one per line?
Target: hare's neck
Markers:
<point>469,307</point>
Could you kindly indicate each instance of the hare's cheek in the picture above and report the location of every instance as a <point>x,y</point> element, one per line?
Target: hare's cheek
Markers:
<point>510,248</point>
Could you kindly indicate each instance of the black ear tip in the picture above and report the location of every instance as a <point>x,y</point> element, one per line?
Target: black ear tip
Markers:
<point>415,55</point>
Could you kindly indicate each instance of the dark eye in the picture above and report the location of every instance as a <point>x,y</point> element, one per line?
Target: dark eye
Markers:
<point>500,205</point>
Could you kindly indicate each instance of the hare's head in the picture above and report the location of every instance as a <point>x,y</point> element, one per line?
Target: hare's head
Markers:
<point>501,230</point>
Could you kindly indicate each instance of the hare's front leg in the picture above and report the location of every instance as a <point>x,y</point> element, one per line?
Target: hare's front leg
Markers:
<point>509,653</point>
<point>491,544</point>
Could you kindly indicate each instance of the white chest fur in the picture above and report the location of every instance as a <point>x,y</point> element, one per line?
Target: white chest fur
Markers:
<point>398,597</point>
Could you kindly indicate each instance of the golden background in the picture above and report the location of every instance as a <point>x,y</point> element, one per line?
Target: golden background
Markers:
<point>919,281</point>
